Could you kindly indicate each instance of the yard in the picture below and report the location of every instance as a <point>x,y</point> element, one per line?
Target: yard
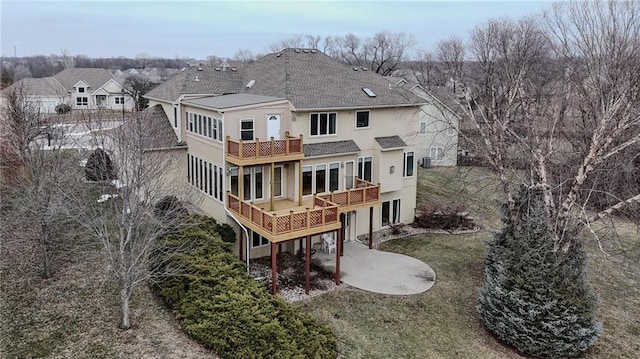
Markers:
<point>442,322</point>
<point>74,315</point>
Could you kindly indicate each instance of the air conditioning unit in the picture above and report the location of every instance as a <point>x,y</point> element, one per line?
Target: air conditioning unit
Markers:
<point>426,162</point>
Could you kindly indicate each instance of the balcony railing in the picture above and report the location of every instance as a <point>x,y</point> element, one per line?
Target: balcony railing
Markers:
<point>363,194</point>
<point>287,148</point>
<point>286,223</point>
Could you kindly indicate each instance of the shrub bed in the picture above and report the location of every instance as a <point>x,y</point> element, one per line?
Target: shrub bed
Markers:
<point>223,307</point>
<point>445,217</point>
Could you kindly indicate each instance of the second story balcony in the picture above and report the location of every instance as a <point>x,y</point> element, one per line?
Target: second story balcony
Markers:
<point>245,153</point>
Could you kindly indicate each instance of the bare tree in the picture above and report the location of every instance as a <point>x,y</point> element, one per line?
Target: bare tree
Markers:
<point>245,56</point>
<point>381,53</point>
<point>36,168</point>
<point>148,199</point>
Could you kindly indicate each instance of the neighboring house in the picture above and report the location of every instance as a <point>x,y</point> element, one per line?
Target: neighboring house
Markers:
<point>436,136</point>
<point>80,88</point>
<point>296,145</point>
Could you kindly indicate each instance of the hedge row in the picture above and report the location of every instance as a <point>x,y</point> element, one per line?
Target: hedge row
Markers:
<point>223,307</point>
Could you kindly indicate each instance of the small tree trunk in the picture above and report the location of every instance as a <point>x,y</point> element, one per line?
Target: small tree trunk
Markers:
<point>46,261</point>
<point>125,293</point>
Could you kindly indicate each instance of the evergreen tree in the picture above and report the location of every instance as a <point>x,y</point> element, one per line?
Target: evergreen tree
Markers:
<point>536,296</point>
<point>99,166</point>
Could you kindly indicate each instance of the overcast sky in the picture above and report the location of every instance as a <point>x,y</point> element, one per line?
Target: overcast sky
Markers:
<point>197,29</point>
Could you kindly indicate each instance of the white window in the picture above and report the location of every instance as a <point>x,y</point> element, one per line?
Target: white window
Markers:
<point>258,241</point>
<point>321,178</point>
<point>277,181</point>
<point>364,168</point>
<point>120,100</point>
<point>202,125</point>
<point>252,182</point>
<point>362,119</point>
<point>436,153</point>
<point>82,101</point>
<point>334,175</point>
<point>246,129</point>
<point>307,179</point>
<point>348,175</point>
<point>407,169</point>
<point>81,89</point>
<point>423,127</point>
<point>390,212</point>
<point>323,124</point>
<point>205,176</point>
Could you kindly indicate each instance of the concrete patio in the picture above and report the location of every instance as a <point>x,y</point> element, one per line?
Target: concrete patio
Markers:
<point>378,271</point>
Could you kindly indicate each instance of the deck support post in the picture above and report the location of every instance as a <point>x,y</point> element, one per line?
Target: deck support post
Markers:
<point>307,264</point>
<point>338,259</point>
<point>341,231</point>
<point>370,227</point>
<point>274,270</point>
<point>279,258</point>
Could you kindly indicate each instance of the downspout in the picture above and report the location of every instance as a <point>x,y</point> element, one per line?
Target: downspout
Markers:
<point>225,201</point>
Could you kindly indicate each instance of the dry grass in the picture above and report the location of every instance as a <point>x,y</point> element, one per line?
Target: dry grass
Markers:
<point>442,323</point>
<point>75,314</point>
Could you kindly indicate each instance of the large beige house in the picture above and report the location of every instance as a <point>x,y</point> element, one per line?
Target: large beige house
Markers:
<point>80,88</point>
<point>296,145</point>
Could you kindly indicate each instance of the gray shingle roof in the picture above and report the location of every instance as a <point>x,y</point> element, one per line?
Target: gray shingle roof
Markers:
<point>233,100</point>
<point>92,77</point>
<point>390,142</point>
<point>46,86</point>
<point>156,131</point>
<point>307,78</point>
<point>330,148</point>
<point>313,80</point>
<point>202,80</point>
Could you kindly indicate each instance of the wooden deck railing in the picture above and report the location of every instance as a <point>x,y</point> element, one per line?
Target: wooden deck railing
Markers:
<point>264,149</point>
<point>364,192</point>
<point>283,223</point>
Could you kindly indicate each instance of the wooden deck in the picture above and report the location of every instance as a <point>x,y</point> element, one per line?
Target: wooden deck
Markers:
<point>285,219</point>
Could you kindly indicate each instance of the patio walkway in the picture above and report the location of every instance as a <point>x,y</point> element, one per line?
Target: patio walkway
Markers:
<point>377,271</point>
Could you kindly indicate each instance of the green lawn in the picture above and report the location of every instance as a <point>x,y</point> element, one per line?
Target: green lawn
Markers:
<point>442,322</point>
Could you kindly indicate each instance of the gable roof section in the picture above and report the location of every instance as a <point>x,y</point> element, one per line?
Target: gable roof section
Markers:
<point>390,142</point>
<point>330,148</point>
<point>92,77</point>
<point>156,129</point>
<point>232,100</point>
<point>46,86</point>
<point>203,80</point>
<point>312,80</point>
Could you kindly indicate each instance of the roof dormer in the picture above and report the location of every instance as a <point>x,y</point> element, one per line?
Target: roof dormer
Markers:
<point>81,87</point>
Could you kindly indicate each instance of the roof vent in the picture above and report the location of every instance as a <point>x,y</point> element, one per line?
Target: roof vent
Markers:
<point>234,69</point>
<point>368,92</point>
<point>217,69</point>
<point>313,51</point>
<point>279,54</point>
<point>197,79</point>
<point>364,68</point>
<point>355,68</point>
<point>306,51</point>
<point>297,51</point>
<point>251,83</point>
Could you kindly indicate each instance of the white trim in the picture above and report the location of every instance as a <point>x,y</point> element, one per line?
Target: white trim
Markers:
<point>356,120</point>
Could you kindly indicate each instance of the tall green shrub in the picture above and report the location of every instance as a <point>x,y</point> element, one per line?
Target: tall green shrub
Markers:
<point>536,297</point>
<point>226,309</point>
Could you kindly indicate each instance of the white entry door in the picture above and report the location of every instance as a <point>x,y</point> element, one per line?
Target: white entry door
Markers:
<point>273,126</point>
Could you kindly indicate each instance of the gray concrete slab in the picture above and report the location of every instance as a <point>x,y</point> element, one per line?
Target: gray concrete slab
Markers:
<point>378,271</point>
